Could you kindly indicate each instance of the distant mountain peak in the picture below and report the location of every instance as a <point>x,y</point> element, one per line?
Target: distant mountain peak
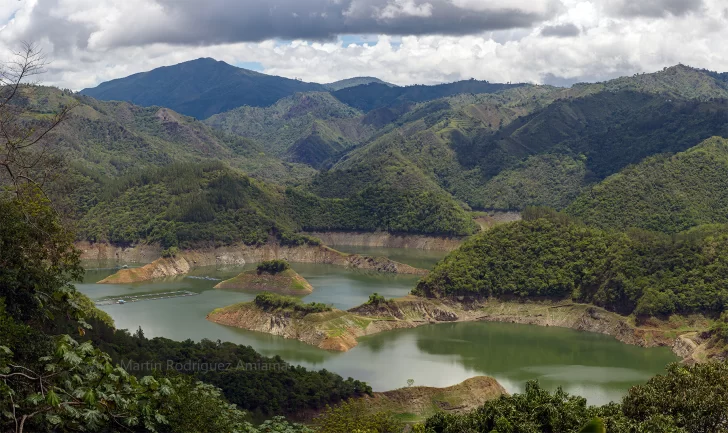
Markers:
<point>200,88</point>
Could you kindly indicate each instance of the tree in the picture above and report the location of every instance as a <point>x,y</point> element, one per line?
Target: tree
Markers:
<point>695,398</point>
<point>37,258</point>
<point>77,387</point>
<point>38,261</point>
<point>24,146</point>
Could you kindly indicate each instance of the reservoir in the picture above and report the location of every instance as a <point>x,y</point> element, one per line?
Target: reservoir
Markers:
<point>595,366</point>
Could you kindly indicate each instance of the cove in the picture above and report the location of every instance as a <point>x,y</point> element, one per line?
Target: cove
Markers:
<point>595,366</point>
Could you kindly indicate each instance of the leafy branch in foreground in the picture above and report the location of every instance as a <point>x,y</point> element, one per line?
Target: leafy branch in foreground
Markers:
<point>78,388</point>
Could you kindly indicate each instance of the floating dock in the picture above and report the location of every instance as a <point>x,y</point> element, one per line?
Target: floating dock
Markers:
<point>144,297</point>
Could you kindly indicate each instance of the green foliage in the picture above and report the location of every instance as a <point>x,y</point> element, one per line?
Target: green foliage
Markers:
<point>200,88</point>
<point>664,193</point>
<point>273,266</point>
<point>594,426</point>
<point>691,397</point>
<point>354,417</point>
<point>263,385</point>
<point>305,127</point>
<point>352,82</point>
<point>376,299</point>
<point>107,139</point>
<point>534,411</point>
<point>541,145</point>
<point>276,302</point>
<point>198,407</point>
<point>387,193</point>
<point>38,262</point>
<point>209,204</point>
<point>78,388</point>
<point>170,252</point>
<point>687,399</point>
<point>720,328</point>
<point>547,255</point>
<point>187,205</point>
<point>552,180</point>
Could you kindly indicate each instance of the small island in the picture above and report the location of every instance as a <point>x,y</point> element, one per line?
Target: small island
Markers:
<point>270,276</point>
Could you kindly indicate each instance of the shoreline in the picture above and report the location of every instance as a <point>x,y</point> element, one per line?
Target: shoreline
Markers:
<point>339,330</point>
<point>389,240</point>
<point>236,255</point>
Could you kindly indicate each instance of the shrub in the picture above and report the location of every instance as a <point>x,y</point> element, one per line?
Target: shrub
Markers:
<point>273,302</point>
<point>170,252</point>
<point>376,299</point>
<point>273,266</point>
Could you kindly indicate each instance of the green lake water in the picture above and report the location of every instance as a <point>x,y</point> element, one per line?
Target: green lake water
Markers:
<point>595,366</point>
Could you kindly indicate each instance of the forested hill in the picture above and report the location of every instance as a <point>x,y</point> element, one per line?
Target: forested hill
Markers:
<point>200,88</point>
<point>149,174</point>
<point>210,204</point>
<point>550,256</point>
<point>111,138</point>
<point>664,193</point>
<point>305,127</point>
<point>540,145</point>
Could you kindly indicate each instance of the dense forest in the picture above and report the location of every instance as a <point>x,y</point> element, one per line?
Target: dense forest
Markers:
<point>664,193</point>
<point>550,255</point>
<point>209,204</point>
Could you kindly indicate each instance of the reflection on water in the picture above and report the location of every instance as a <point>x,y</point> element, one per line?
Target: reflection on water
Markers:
<point>595,366</point>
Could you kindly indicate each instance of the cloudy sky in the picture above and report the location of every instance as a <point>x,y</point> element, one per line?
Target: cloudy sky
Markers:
<point>401,41</point>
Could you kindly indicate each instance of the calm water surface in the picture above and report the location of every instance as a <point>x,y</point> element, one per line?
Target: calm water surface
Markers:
<point>595,366</point>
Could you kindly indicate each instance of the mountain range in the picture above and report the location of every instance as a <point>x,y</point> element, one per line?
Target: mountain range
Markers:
<point>362,154</point>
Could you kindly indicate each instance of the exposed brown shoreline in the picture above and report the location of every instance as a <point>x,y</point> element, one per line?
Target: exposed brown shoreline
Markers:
<point>339,330</point>
<point>239,255</point>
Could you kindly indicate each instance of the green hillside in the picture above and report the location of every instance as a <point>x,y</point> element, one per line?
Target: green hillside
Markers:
<point>540,145</point>
<point>664,193</point>
<point>306,127</point>
<point>200,88</point>
<point>550,256</point>
<point>552,180</point>
<point>187,205</point>
<point>405,167</point>
<point>139,174</point>
<point>111,138</point>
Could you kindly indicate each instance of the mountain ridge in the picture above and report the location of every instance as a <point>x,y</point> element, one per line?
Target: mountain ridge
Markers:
<point>200,88</point>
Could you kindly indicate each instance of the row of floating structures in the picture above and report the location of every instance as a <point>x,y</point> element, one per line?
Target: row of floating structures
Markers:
<point>145,297</point>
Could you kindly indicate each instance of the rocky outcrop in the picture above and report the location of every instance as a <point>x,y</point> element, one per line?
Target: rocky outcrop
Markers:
<point>242,254</point>
<point>160,268</point>
<point>685,347</point>
<point>102,251</point>
<point>425,401</point>
<point>388,240</point>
